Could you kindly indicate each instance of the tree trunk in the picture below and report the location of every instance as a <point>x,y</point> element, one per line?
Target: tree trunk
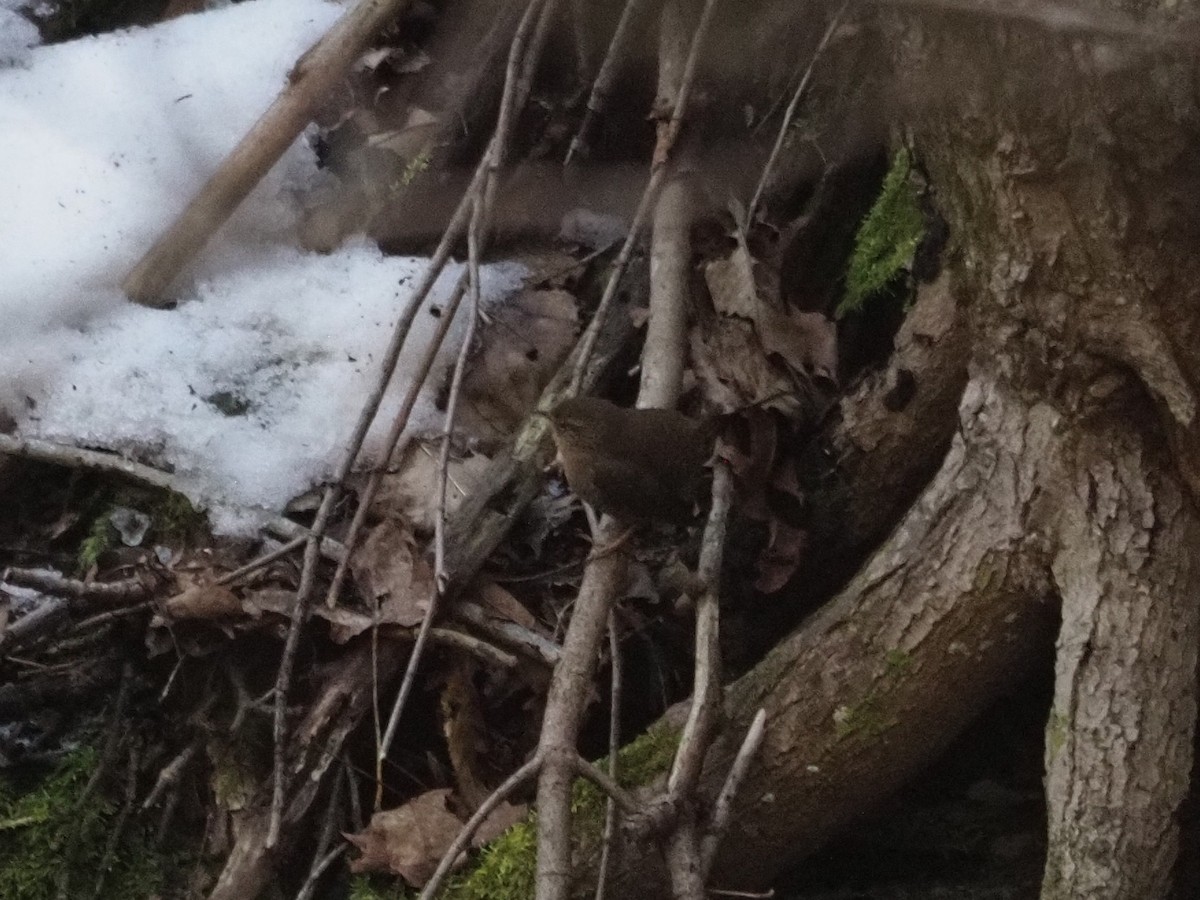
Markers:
<point>1074,211</point>
<point>1066,164</point>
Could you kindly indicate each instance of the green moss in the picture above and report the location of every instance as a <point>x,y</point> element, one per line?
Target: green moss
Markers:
<point>44,827</point>
<point>99,539</point>
<point>863,718</point>
<point>869,715</point>
<point>415,167</point>
<point>507,866</point>
<point>173,519</point>
<point>887,238</point>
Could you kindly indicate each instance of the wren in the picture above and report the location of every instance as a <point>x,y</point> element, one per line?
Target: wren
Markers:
<point>634,464</point>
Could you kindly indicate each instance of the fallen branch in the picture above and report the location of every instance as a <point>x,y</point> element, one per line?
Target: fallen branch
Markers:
<point>602,578</point>
<point>314,75</point>
<point>110,593</point>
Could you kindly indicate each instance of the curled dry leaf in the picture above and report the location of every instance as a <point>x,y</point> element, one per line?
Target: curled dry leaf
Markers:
<point>388,569</point>
<point>411,492</point>
<point>211,601</point>
<point>805,342</point>
<point>465,732</point>
<point>501,605</point>
<point>410,840</point>
<point>344,623</point>
<point>733,369</point>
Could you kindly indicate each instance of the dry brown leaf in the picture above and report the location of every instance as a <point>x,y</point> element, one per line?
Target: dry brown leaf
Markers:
<point>410,840</point>
<point>465,732</point>
<point>734,370</point>
<point>411,492</point>
<point>742,287</point>
<point>344,623</point>
<point>732,284</point>
<point>389,570</point>
<point>206,601</point>
<point>501,604</point>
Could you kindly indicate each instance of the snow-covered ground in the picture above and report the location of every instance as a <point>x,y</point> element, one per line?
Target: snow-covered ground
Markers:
<point>249,388</point>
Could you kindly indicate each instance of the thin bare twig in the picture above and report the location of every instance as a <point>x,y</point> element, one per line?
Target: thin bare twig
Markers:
<point>723,807</point>
<point>604,79</point>
<point>171,773</point>
<point>747,895</point>
<point>283,679</point>
<point>658,173</point>
<point>78,458</point>
<point>323,857</point>
<point>263,561</point>
<point>610,787</point>
<point>367,496</point>
<point>528,643</point>
<point>100,619</point>
<point>333,492</point>
<point>354,795</point>
<point>791,111</point>
<point>127,590</point>
<point>522,63</point>
<point>518,81</point>
<point>701,720</point>
<point>510,786</point>
<point>439,565</point>
<point>614,747</point>
<point>319,868</point>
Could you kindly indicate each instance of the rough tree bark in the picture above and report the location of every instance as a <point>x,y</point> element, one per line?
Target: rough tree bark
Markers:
<point>1076,220</point>
<point>1066,163</point>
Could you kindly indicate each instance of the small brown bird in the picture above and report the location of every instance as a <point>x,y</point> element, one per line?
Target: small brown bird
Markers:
<point>635,464</point>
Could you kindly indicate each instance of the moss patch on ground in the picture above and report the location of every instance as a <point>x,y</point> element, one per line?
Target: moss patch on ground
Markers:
<point>506,868</point>
<point>46,830</point>
<point>173,519</point>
